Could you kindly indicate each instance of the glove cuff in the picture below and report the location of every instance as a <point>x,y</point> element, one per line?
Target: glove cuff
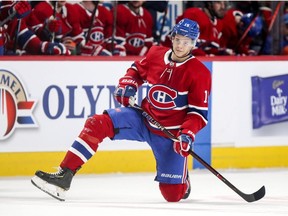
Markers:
<point>128,81</point>
<point>187,132</point>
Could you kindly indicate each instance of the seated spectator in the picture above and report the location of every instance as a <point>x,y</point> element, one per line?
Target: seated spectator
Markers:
<point>97,24</point>
<point>230,32</point>
<point>57,21</point>
<point>43,21</point>
<point>20,40</point>
<point>247,33</point>
<point>234,34</point>
<point>251,31</point>
<point>134,28</point>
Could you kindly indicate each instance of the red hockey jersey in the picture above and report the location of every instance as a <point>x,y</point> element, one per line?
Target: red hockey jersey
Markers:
<point>178,92</point>
<point>69,18</point>
<point>101,29</point>
<point>134,30</point>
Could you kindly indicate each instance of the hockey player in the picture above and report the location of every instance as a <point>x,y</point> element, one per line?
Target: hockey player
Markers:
<point>179,86</point>
<point>10,10</point>
<point>99,29</point>
<point>19,39</point>
<point>134,28</point>
<point>43,22</point>
<point>57,19</point>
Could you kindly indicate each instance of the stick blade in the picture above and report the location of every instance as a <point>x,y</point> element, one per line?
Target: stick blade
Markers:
<point>255,196</point>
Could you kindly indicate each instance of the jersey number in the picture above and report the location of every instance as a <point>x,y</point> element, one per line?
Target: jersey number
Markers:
<point>206,96</point>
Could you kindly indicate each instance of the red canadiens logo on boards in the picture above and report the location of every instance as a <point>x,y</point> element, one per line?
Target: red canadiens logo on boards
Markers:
<point>15,109</point>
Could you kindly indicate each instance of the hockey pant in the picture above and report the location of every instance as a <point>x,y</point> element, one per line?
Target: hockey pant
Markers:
<point>97,128</point>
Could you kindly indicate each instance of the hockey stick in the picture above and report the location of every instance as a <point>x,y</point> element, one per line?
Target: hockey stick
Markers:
<point>162,24</point>
<point>246,32</point>
<point>248,197</point>
<point>114,27</point>
<point>16,35</point>
<point>92,20</point>
<point>52,37</point>
<point>11,16</point>
<point>274,16</point>
<point>266,33</point>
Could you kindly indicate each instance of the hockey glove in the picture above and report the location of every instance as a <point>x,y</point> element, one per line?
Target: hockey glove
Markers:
<point>48,48</point>
<point>90,49</point>
<point>185,143</point>
<point>70,45</point>
<point>21,9</point>
<point>119,50</point>
<point>127,88</point>
<point>54,25</point>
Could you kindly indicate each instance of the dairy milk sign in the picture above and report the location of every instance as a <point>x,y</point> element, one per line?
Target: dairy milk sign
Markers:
<point>16,109</point>
<point>278,103</point>
<point>269,100</point>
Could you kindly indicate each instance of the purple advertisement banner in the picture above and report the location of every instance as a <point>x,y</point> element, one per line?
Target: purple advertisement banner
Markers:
<point>269,100</point>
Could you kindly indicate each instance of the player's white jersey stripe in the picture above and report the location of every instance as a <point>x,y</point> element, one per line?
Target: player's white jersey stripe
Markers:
<point>183,93</point>
<point>133,66</point>
<point>184,174</point>
<point>199,115</point>
<point>180,108</point>
<point>197,107</point>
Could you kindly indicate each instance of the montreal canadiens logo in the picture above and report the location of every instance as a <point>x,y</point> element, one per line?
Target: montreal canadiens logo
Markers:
<point>162,97</point>
<point>97,35</point>
<point>15,109</point>
<point>136,40</point>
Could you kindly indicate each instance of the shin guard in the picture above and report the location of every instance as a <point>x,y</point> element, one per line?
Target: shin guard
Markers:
<point>96,128</point>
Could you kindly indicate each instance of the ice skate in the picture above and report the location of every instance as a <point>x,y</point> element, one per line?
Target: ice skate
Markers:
<point>54,184</point>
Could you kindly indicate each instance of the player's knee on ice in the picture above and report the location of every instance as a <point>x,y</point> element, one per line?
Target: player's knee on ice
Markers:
<point>172,192</point>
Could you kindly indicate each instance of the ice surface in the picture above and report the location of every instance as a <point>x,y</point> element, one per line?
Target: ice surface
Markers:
<point>138,194</point>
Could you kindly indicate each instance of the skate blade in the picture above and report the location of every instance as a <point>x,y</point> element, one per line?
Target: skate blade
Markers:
<point>54,191</point>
